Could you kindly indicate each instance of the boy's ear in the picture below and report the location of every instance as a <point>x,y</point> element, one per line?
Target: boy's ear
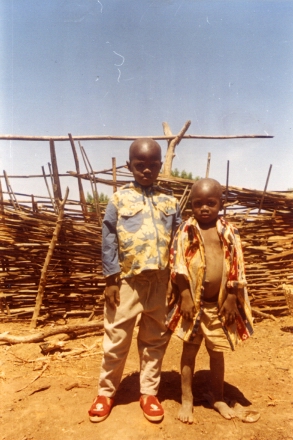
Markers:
<point>128,165</point>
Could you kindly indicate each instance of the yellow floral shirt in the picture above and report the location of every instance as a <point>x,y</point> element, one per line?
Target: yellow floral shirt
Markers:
<point>138,228</point>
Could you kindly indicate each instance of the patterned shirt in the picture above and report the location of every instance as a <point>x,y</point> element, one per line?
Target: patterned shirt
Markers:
<point>188,258</point>
<point>138,228</point>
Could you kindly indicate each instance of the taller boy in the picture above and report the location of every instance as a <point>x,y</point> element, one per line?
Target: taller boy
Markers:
<point>138,227</point>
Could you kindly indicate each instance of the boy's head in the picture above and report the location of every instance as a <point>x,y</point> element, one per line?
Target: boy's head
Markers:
<point>206,201</point>
<point>145,160</point>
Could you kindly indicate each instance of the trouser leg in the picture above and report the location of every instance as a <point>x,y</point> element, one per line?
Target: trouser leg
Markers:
<point>119,325</point>
<point>153,337</point>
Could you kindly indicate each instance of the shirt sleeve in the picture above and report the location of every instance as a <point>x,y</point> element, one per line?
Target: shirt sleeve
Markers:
<point>237,278</point>
<point>177,254</point>
<point>177,219</point>
<point>110,258</point>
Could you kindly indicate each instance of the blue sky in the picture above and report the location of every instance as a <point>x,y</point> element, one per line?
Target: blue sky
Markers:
<point>122,67</point>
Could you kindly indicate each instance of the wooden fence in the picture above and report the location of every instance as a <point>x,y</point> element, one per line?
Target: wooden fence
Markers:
<point>50,248</point>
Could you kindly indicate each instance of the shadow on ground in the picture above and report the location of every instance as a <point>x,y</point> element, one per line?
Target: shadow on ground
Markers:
<point>170,389</point>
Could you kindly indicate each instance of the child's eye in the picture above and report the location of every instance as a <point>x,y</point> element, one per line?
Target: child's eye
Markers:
<point>154,166</point>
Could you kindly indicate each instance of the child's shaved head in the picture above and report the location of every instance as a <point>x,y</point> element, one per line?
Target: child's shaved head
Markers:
<point>145,160</point>
<point>212,185</point>
<point>143,145</point>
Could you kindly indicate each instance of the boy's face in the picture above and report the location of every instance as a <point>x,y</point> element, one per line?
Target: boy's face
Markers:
<point>145,164</point>
<point>206,203</point>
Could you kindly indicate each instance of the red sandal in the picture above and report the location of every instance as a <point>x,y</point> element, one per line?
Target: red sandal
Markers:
<point>100,408</point>
<point>152,409</point>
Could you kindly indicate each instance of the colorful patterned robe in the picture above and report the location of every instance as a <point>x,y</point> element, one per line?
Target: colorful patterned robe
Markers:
<point>187,257</point>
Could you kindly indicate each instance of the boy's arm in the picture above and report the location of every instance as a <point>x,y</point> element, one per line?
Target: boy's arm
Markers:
<point>187,308</point>
<point>112,290</point>
<point>229,308</point>
<point>110,260</point>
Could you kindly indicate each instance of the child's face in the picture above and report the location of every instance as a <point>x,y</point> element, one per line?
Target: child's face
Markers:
<point>145,165</point>
<point>206,204</point>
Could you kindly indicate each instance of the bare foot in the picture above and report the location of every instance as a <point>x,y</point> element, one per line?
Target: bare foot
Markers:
<point>224,410</point>
<point>185,414</point>
<point>220,406</point>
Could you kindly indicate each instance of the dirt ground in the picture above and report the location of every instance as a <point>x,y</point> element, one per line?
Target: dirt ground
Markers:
<point>47,398</point>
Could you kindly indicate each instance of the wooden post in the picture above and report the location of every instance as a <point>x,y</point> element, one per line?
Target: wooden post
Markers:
<point>114,174</point>
<point>208,165</point>
<point>167,167</point>
<point>34,204</point>
<point>227,187</point>
<point>10,192</point>
<point>185,197</point>
<point>264,191</point>
<point>56,184</point>
<point>92,179</point>
<point>81,193</point>
<point>43,278</point>
<point>49,192</point>
<point>1,199</point>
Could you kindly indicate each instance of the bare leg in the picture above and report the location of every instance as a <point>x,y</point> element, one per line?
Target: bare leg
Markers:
<point>217,367</point>
<point>188,356</point>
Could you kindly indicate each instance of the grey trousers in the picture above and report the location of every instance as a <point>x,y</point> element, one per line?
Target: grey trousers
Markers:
<point>143,294</point>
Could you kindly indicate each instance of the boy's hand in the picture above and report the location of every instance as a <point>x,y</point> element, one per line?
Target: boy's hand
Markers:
<point>187,308</point>
<point>112,296</point>
<point>229,309</point>
<point>172,294</point>
<point>112,291</point>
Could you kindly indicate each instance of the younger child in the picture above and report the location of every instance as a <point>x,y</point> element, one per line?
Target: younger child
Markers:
<point>207,267</point>
<point>139,224</point>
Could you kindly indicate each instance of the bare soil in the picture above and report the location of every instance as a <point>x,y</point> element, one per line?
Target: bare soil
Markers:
<point>47,398</point>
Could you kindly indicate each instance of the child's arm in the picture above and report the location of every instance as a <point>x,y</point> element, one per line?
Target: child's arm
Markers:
<point>229,308</point>
<point>187,308</point>
<point>110,260</point>
<point>112,291</point>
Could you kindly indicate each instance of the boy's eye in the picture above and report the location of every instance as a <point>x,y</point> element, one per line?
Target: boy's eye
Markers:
<point>200,204</point>
<point>151,166</point>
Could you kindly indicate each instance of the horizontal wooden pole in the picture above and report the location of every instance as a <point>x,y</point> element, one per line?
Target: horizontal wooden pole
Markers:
<point>19,137</point>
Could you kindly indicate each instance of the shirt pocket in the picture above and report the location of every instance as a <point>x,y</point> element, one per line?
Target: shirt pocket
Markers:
<point>167,214</point>
<point>131,218</point>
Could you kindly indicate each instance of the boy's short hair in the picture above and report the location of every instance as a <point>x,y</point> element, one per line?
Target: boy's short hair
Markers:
<point>140,142</point>
<point>209,182</point>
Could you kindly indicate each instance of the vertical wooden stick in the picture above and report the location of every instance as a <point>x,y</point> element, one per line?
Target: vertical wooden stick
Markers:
<point>114,174</point>
<point>264,191</point>
<point>56,184</point>
<point>10,192</point>
<point>48,188</point>
<point>95,191</point>
<point>81,193</point>
<point>1,198</point>
<point>208,165</point>
<point>89,176</point>
<point>43,278</point>
<point>227,187</point>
